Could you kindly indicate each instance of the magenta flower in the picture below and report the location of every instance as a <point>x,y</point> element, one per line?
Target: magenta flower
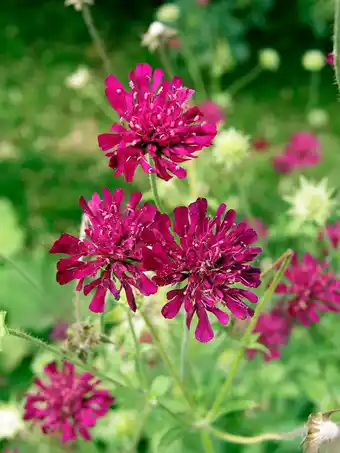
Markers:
<point>67,403</point>
<point>211,256</point>
<point>330,58</point>
<point>112,248</point>
<point>302,151</point>
<point>333,233</point>
<point>59,331</point>
<point>212,112</point>
<point>261,144</point>
<point>260,228</point>
<point>310,288</point>
<point>203,2</point>
<point>156,121</point>
<point>274,330</point>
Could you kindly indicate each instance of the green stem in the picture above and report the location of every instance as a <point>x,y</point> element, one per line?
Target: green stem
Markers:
<point>336,44</point>
<point>245,339</point>
<point>276,263</point>
<point>98,42</point>
<point>138,360</point>
<point>167,361</point>
<point>165,61</point>
<point>153,185</point>
<point>207,444</point>
<point>194,70</point>
<point>245,80</point>
<point>184,350</point>
<point>314,85</point>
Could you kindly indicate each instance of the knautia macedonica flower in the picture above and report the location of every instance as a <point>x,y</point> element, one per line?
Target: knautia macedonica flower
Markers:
<point>330,58</point>
<point>231,148</point>
<point>302,151</point>
<point>67,403</point>
<point>169,12</point>
<point>212,112</point>
<point>333,233</point>
<point>156,122</point>
<point>309,288</point>
<point>11,422</point>
<point>212,255</point>
<point>311,202</point>
<point>59,331</point>
<point>112,248</point>
<point>158,35</point>
<point>274,329</point>
<point>257,224</point>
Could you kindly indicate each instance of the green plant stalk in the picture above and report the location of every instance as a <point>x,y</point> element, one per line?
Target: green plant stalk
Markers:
<point>167,361</point>
<point>98,42</point>
<point>156,197</point>
<point>207,444</point>
<point>194,70</point>
<point>245,339</point>
<point>314,85</point>
<point>184,350</point>
<point>336,42</point>
<point>138,360</point>
<point>276,263</point>
<point>165,61</point>
<point>245,80</point>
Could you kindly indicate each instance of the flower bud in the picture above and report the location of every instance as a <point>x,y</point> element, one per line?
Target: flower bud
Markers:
<point>317,118</point>
<point>269,59</point>
<point>230,148</point>
<point>158,35</point>
<point>10,421</point>
<point>169,12</point>
<point>313,60</point>
<point>78,79</point>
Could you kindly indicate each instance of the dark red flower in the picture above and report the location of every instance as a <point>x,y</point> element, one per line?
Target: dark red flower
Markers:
<point>260,228</point>
<point>274,329</point>
<point>261,144</point>
<point>333,233</point>
<point>310,288</point>
<point>330,58</point>
<point>212,255</point>
<point>212,112</point>
<point>156,121</point>
<point>302,151</point>
<point>59,331</point>
<point>67,403</point>
<point>112,247</point>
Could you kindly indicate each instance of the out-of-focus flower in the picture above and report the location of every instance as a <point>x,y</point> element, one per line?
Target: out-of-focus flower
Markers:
<point>78,79</point>
<point>231,148</point>
<point>269,59</point>
<point>310,288</point>
<point>266,264</point>
<point>317,118</point>
<point>8,150</point>
<point>330,58</point>
<point>78,4</point>
<point>114,240</point>
<point>302,151</point>
<point>82,338</point>
<point>212,112</point>
<point>260,144</point>
<point>257,224</point>
<point>59,331</point>
<point>158,35</point>
<point>203,2</point>
<point>169,12</point>
<point>321,431</point>
<point>158,122</point>
<point>223,99</point>
<point>313,60</point>
<point>118,425</point>
<point>274,329</point>
<point>311,202</point>
<point>67,403</point>
<point>333,233</point>
<point>212,255</point>
<point>223,59</point>
<point>11,422</point>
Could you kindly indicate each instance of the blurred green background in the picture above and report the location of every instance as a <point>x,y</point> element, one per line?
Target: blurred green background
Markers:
<point>49,155</point>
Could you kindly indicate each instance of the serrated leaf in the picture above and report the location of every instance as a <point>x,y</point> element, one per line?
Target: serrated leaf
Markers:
<point>160,385</point>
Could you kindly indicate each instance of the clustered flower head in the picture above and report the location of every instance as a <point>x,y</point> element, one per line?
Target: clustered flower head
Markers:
<point>311,202</point>
<point>112,248</point>
<point>333,233</point>
<point>274,329</point>
<point>302,151</point>
<point>257,224</point>
<point>66,403</point>
<point>158,35</point>
<point>156,122</point>
<point>231,148</point>
<point>212,112</point>
<point>212,255</point>
<point>330,58</point>
<point>11,422</point>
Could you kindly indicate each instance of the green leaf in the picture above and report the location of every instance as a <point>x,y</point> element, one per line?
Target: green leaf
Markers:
<point>170,437</point>
<point>237,406</point>
<point>160,385</point>
<point>13,351</point>
<point>11,235</point>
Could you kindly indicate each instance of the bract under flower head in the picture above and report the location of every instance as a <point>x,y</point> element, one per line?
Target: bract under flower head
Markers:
<point>156,121</point>
<point>213,254</point>
<point>67,403</point>
<point>112,247</point>
<point>274,329</point>
<point>310,288</point>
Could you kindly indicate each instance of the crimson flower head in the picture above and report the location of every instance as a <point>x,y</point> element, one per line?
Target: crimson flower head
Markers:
<point>156,121</point>
<point>274,330</point>
<point>67,403</point>
<point>111,248</point>
<point>211,256</point>
<point>261,144</point>
<point>333,233</point>
<point>310,288</point>
<point>330,58</point>
<point>260,228</point>
<point>212,112</point>
<point>302,151</point>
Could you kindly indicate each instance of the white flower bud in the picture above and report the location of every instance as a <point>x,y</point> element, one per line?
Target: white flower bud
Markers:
<point>269,59</point>
<point>158,34</point>
<point>78,79</point>
<point>10,421</point>
<point>317,118</point>
<point>313,60</point>
<point>169,12</point>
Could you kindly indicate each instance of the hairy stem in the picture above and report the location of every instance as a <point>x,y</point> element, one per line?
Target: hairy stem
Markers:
<point>153,185</point>
<point>167,361</point>
<point>165,61</point>
<point>276,263</point>
<point>98,42</point>
<point>245,339</point>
